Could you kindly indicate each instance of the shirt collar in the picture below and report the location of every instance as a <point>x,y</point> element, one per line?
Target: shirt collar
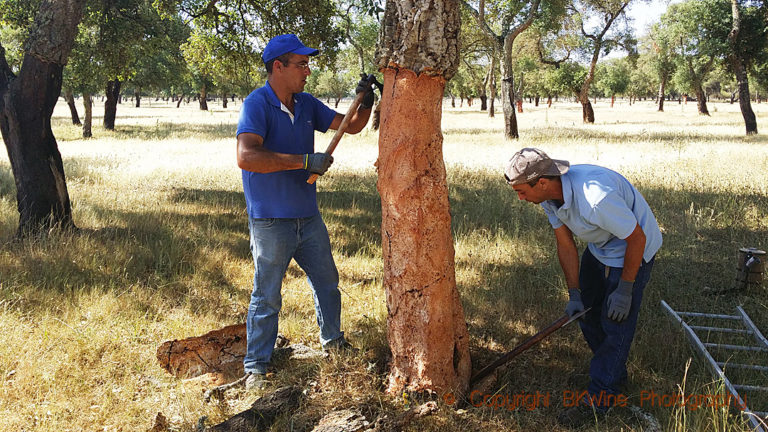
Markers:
<point>273,97</point>
<point>565,180</point>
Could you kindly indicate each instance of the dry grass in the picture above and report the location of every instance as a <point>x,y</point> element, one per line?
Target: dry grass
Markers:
<point>163,254</point>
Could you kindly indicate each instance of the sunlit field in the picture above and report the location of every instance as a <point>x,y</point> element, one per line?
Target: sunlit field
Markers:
<point>162,253</point>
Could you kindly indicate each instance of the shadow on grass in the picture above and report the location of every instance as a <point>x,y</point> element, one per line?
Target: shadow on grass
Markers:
<point>182,254</point>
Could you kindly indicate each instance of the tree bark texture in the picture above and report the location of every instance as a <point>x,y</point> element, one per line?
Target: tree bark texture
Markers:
<point>88,120</point>
<point>425,326</point>
<point>26,105</point>
<point>701,100</point>
<point>72,108</point>
<point>426,329</point>
<point>492,86</point>
<point>587,113</point>
<point>203,100</point>
<point>737,64</point>
<point>110,105</point>
<point>662,91</point>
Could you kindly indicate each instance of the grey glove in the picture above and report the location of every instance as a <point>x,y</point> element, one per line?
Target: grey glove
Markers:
<point>575,305</point>
<point>317,163</point>
<point>620,301</point>
<point>365,86</point>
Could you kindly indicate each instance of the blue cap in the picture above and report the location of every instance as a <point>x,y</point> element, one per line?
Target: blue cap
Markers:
<point>283,44</point>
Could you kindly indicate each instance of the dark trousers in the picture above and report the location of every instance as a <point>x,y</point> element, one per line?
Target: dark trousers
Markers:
<point>609,340</point>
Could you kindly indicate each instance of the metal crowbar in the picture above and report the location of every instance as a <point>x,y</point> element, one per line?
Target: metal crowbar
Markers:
<point>531,341</point>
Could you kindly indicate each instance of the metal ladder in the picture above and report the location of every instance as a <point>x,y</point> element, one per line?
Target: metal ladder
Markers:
<point>755,418</point>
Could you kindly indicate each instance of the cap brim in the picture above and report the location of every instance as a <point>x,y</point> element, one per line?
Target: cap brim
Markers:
<point>307,51</point>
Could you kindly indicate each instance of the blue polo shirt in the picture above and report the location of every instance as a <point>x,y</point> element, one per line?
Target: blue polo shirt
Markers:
<point>282,194</point>
<point>602,208</point>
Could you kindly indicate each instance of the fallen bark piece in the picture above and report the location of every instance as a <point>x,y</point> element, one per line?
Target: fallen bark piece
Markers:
<point>219,351</point>
<point>161,424</point>
<point>385,424</point>
<point>262,413</point>
<point>349,420</point>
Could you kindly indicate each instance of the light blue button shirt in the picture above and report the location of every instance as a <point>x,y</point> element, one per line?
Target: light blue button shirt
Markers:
<point>602,208</point>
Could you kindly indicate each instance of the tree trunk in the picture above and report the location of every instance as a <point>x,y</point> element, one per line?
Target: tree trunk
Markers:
<point>536,100</point>
<point>336,105</point>
<point>662,91</point>
<point>376,121</point>
<point>453,101</point>
<point>492,86</point>
<point>425,321</point>
<point>549,101</point>
<point>483,102</point>
<point>701,100</point>
<point>88,104</point>
<point>137,94</point>
<point>203,100</point>
<point>72,108</point>
<point>613,99</point>
<point>587,113</point>
<point>110,106</point>
<point>737,63</point>
<point>181,98</point>
<point>26,105</point>
<point>224,100</point>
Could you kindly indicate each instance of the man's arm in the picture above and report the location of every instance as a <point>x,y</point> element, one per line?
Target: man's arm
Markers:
<point>356,123</point>
<point>252,156</point>
<point>633,257</point>
<point>568,255</point>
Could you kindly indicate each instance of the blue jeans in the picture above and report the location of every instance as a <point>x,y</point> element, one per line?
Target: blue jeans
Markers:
<point>609,340</point>
<point>274,242</point>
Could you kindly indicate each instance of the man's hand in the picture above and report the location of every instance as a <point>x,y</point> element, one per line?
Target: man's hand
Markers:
<point>365,86</point>
<point>620,301</point>
<point>575,305</point>
<point>317,163</point>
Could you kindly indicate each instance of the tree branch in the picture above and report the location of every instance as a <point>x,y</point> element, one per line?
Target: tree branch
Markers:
<point>481,22</point>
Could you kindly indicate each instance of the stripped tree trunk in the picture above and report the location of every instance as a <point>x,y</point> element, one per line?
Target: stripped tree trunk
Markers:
<point>425,324</point>
<point>26,106</point>
<point>662,91</point>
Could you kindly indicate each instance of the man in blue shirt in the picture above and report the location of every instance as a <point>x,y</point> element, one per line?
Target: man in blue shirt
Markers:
<point>275,150</point>
<point>602,208</point>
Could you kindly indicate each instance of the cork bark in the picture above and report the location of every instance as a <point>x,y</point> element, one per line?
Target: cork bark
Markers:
<point>425,325</point>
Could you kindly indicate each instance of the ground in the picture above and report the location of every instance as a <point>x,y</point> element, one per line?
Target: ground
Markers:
<point>163,254</point>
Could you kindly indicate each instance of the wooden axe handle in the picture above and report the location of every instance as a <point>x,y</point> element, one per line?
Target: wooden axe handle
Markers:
<point>339,132</point>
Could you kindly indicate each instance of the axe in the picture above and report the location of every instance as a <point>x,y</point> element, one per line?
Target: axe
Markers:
<point>345,122</point>
<point>531,341</point>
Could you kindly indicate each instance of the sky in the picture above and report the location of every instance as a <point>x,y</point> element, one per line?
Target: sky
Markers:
<point>645,13</point>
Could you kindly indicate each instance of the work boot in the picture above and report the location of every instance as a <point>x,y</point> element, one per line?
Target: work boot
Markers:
<point>339,345</point>
<point>580,415</point>
<point>255,382</point>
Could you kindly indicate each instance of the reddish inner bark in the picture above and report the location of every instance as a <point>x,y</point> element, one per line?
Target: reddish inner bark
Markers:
<point>426,328</point>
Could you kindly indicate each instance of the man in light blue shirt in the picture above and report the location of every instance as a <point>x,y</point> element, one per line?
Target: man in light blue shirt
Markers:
<point>602,208</point>
<point>276,152</point>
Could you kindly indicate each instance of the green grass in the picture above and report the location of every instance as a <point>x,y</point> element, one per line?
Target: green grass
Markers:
<point>163,253</point>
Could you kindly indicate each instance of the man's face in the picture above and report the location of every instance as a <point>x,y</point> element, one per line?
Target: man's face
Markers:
<point>295,72</point>
<point>533,194</point>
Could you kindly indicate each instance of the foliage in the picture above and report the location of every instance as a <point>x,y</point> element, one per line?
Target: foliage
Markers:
<point>613,77</point>
<point>12,40</point>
